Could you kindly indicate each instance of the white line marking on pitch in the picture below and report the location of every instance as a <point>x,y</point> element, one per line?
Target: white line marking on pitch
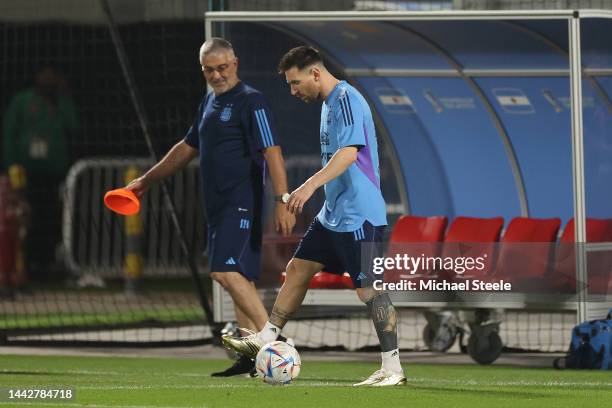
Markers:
<point>512,383</point>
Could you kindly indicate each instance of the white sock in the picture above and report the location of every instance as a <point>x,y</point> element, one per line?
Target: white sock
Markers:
<point>391,361</point>
<point>269,333</point>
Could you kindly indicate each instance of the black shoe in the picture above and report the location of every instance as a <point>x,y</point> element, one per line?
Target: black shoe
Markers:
<point>243,365</point>
<point>253,373</point>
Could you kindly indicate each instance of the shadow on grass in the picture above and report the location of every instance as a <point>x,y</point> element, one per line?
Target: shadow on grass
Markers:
<point>481,392</point>
<point>329,380</point>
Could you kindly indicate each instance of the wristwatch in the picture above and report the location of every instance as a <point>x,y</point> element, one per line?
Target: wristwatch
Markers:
<point>284,198</point>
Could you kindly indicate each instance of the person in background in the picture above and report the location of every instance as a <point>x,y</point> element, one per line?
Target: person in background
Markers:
<point>37,126</point>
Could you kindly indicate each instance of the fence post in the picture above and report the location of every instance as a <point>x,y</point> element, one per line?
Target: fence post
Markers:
<point>133,262</point>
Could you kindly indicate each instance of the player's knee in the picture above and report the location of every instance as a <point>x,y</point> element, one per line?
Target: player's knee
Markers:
<point>366,294</point>
<point>291,271</point>
<point>225,279</point>
<point>228,279</point>
<point>296,275</point>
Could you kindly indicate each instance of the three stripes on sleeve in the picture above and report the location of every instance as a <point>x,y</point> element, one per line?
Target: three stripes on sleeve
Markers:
<point>264,128</point>
<point>347,111</point>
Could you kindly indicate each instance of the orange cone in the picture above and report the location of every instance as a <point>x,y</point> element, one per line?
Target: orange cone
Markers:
<point>122,201</point>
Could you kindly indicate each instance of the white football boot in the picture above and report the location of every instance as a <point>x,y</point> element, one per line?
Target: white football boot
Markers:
<point>383,378</point>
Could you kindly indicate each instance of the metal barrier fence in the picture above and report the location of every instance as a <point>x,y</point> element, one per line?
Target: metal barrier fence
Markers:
<point>94,238</point>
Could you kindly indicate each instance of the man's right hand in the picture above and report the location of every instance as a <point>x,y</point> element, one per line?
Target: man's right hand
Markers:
<point>138,186</point>
<point>283,219</point>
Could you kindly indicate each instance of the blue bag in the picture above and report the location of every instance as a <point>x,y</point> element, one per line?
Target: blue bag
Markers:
<point>591,346</point>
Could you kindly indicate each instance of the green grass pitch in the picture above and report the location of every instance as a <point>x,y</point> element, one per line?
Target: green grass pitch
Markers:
<point>101,382</point>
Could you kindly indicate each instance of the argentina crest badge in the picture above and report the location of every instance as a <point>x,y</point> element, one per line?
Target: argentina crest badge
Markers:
<point>226,113</point>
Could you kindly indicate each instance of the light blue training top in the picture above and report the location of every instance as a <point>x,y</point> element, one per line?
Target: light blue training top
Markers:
<point>355,195</point>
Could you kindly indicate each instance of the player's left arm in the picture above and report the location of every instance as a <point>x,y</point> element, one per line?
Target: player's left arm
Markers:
<point>339,162</point>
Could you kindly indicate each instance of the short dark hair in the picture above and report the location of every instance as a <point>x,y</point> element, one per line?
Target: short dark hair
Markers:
<point>300,57</point>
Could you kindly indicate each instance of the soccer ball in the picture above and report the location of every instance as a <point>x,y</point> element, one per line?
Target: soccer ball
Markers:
<point>277,363</point>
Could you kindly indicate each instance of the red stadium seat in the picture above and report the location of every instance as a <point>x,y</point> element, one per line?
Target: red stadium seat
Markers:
<point>597,230</point>
<point>599,279</point>
<point>347,282</point>
<point>410,228</point>
<point>523,229</point>
<point>526,265</point>
<point>326,280</point>
<point>472,237</point>
<point>471,229</point>
<point>414,235</point>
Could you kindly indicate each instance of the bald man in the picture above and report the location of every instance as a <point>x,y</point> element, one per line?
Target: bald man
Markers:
<point>234,136</point>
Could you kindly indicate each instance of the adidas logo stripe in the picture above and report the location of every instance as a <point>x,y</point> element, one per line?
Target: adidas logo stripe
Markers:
<point>347,112</point>
<point>358,234</point>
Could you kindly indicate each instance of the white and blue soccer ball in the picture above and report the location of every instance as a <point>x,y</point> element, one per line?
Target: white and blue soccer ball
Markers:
<point>278,363</point>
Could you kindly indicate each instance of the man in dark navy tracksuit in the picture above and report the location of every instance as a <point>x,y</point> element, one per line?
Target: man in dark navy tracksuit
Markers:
<point>234,136</point>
